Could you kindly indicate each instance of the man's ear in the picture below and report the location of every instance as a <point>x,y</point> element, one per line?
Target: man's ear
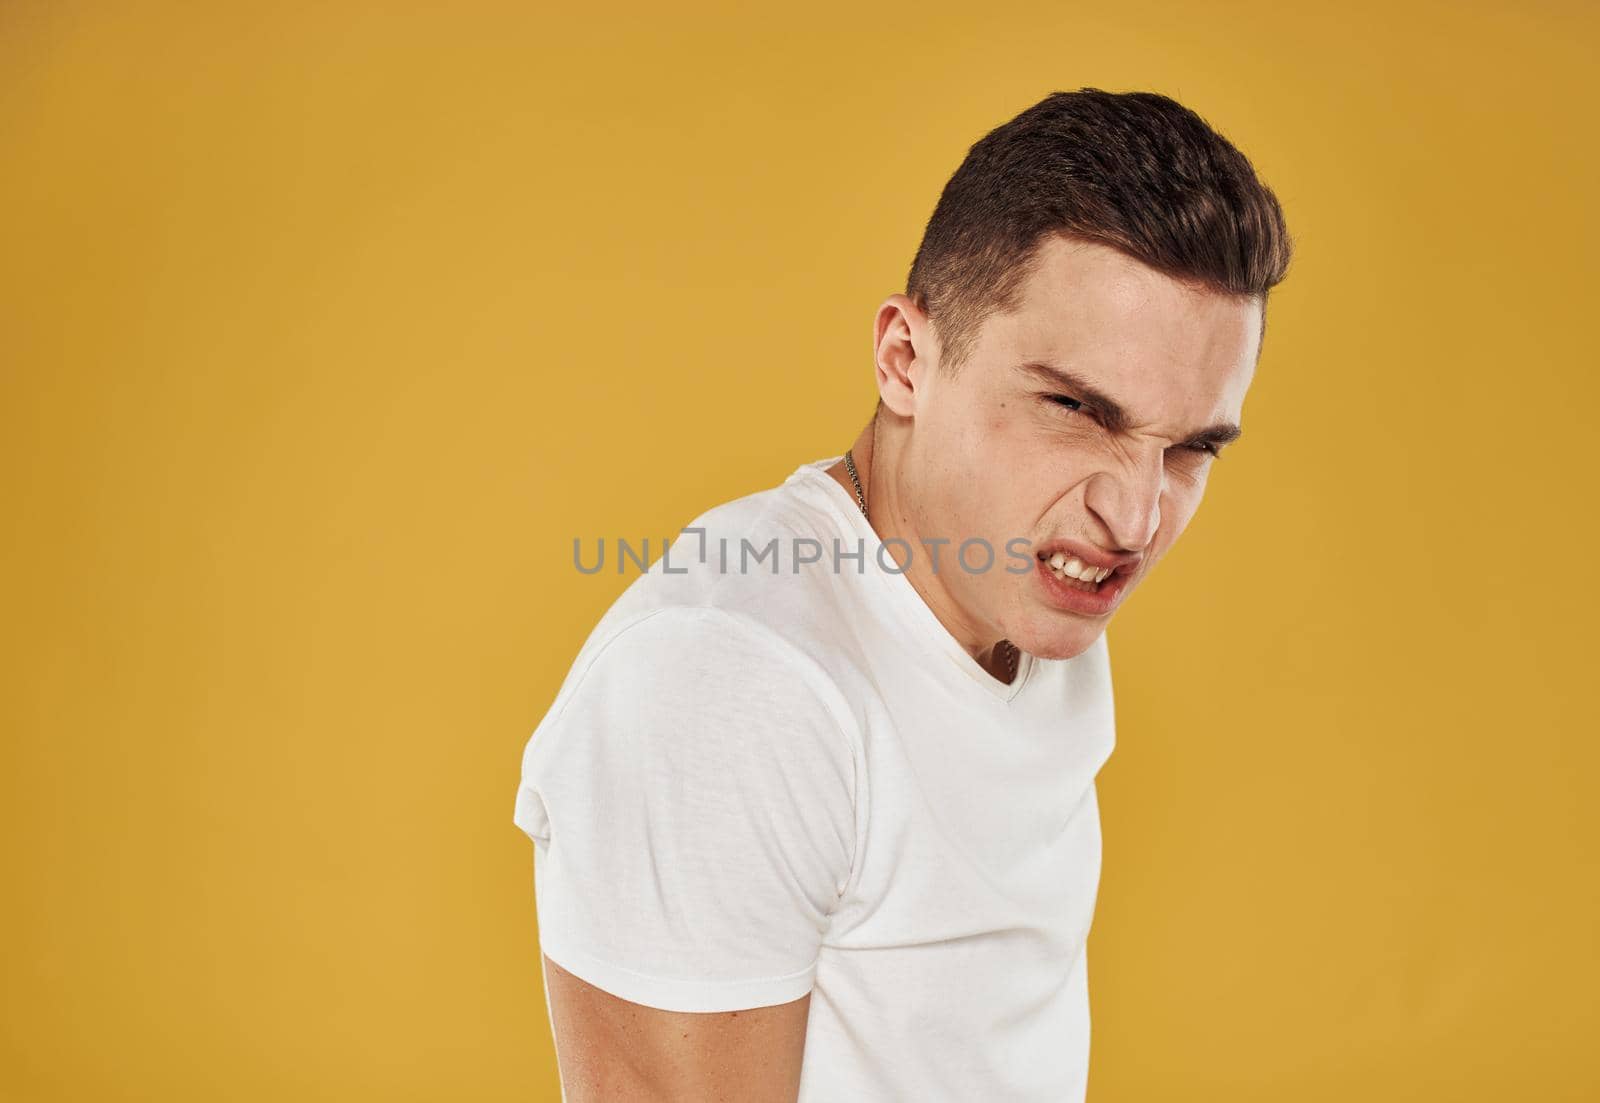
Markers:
<point>906,351</point>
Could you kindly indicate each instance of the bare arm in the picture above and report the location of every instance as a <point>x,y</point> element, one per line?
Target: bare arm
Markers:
<point>615,1051</point>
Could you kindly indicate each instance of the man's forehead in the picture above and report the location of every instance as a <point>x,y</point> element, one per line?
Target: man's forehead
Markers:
<point>1079,271</point>
<point>1088,288</point>
<point>1104,311</point>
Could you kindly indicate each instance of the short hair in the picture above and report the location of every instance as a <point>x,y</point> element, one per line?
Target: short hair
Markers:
<point>1134,170</point>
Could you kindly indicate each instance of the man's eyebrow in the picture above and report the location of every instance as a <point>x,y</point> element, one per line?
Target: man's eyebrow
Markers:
<point>1110,412</point>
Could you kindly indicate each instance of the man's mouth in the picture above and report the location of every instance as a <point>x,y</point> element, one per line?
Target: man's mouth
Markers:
<point>1075,572</point>
<point>1072,584</point>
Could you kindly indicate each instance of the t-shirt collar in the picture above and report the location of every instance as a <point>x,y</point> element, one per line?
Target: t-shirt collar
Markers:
<point>921,623</point>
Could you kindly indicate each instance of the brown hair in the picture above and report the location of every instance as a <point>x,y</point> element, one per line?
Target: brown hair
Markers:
<point>1134,170</point>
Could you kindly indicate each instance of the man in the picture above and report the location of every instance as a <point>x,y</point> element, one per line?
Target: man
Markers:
<point>814,811</point>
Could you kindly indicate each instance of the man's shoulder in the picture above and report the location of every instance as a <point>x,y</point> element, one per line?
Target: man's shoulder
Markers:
<point>737,664</point>
<point>754,569</point>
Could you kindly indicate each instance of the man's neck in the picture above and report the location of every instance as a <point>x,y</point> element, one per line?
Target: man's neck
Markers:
<point>879,483</point>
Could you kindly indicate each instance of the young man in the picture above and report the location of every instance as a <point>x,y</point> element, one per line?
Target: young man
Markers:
<point>814,811</point>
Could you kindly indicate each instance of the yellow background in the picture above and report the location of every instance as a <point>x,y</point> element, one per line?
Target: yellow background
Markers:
<point>326,327</point>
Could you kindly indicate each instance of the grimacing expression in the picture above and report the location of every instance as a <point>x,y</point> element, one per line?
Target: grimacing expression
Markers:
<point>1014,442</point>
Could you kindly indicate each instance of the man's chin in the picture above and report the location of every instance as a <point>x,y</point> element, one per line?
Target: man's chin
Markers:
<point>1060,645</point>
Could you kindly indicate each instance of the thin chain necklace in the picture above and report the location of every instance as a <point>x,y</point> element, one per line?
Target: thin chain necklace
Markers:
<point>1013,653</point>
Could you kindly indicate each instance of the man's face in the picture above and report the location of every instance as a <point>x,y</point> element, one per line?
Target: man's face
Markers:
<point>1004,449</point>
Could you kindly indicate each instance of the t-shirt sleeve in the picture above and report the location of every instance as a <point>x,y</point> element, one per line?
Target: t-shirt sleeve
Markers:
<point>692,798</point>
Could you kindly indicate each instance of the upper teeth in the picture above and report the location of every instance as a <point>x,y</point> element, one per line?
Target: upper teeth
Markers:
<point>1076,568</point>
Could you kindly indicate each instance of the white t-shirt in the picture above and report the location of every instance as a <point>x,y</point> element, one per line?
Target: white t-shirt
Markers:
<point>764,777</point>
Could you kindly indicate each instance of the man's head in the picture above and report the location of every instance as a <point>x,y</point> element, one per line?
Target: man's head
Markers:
<point>1079,329</point>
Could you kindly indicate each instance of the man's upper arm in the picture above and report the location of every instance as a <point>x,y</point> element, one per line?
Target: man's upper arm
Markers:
<point>694,810</point>
<point>614,1051</point>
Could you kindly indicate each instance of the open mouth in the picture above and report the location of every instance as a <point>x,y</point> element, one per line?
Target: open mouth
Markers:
<point>1073,586</point>
<point>1075,573</point>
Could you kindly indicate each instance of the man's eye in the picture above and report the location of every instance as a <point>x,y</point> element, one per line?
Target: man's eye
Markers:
<point>1066,401</point>
<point>1204,446</point>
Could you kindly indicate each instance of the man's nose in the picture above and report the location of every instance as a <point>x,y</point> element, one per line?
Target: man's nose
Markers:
<point>1127,500</point>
